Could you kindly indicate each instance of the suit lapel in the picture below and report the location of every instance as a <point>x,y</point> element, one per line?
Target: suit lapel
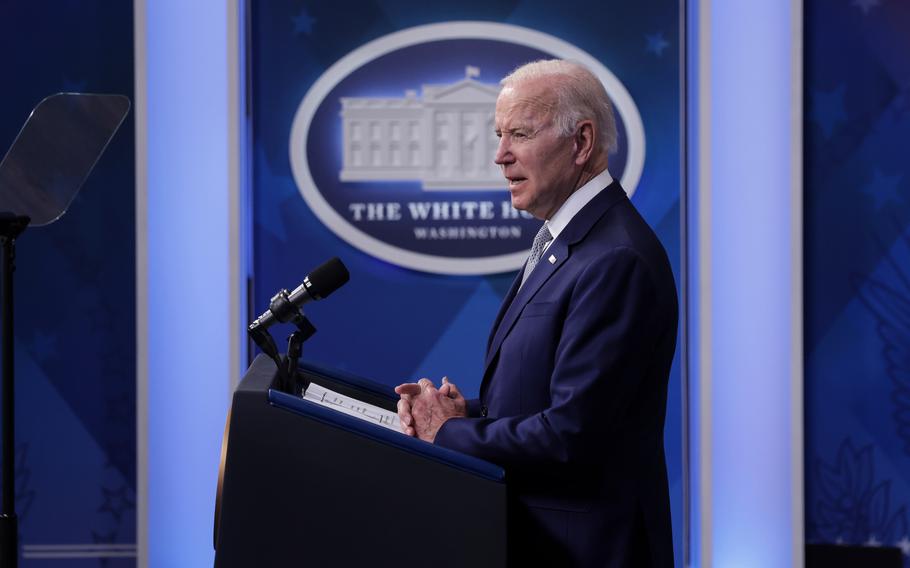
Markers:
<point>506,302</point>
<point>536,279</point>
<point>560,250</point>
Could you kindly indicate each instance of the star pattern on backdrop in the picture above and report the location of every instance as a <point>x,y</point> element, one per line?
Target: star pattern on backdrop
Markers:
<point>865,5</point>
<point>656,43</point>
<point>273,202</point>
<point>117,501</point>
<point>118,452</point>
<point>882,189</point>
<point>303,22</point>
<point>828,109</point>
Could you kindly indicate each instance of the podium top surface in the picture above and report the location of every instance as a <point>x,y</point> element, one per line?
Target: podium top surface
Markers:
<point>448,457</point>
<point>259,378</point>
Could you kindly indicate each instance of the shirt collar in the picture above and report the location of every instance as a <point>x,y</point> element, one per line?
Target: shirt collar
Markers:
<point>576,201</point>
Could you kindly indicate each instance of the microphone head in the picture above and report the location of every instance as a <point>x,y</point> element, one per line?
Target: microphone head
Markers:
<point>326,278</point>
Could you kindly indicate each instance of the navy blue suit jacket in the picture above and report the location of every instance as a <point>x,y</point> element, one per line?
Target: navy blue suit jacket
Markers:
<point>573,397</point>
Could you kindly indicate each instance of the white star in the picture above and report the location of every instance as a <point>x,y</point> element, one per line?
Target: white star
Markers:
<point>656,43</point>
<point>303,22</point>
<point>882,188</point>
<point>904,545</point>
<point>866,5</point>
<point>872,541</point>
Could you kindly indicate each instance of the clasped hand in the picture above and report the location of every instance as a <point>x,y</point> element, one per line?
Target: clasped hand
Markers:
<point>423,408</point>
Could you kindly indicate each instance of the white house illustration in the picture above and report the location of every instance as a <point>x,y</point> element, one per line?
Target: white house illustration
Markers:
<point>445,138</point>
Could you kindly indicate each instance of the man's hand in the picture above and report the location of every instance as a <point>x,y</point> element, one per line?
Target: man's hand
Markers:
<point>423,408</point>
<point>404,410</point>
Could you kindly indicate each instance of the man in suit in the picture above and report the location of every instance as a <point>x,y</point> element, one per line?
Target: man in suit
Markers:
<point>574,390</point>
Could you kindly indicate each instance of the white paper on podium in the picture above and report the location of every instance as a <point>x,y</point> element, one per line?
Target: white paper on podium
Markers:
<point>352,407</point>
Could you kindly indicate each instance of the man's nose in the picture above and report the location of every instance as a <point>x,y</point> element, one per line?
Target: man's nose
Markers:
<point>503,155</point>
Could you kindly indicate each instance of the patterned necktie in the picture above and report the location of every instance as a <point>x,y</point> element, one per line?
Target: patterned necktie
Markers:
<point>541,240</point>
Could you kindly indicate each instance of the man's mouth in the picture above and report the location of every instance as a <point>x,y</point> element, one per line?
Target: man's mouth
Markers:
<point>514,181</point>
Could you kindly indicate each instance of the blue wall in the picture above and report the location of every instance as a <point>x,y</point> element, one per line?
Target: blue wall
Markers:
<point>75,305</point>
<point>857,273</point>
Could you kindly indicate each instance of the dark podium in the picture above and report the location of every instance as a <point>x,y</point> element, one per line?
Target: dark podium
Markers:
<point>304,485</point>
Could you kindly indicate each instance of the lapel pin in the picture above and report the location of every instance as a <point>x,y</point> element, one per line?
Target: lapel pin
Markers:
<point>552,259</point>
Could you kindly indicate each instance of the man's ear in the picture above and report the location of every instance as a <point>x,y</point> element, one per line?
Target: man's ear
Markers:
<point>584,142</point>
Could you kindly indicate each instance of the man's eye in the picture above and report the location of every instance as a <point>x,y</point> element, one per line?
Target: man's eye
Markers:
<point>519,135</point>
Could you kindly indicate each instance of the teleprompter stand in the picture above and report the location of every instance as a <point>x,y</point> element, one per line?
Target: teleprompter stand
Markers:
<point>39,177</point>
<point>11,226</point>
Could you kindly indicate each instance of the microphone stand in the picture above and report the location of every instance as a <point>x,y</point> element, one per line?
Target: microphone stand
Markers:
<point>305,330</point>
<point>11,226</point>
<point>285,311</point>
<point>263,339</point>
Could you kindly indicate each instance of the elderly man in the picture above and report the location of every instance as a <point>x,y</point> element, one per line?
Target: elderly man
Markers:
<point>574,390</point>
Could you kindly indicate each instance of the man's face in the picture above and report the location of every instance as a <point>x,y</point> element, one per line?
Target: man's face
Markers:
<point>537,161</point>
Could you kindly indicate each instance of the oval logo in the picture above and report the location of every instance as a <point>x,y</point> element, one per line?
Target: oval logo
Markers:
<point>392,147</point>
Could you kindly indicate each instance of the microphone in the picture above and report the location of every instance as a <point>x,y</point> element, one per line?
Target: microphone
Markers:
<point>318,284</point>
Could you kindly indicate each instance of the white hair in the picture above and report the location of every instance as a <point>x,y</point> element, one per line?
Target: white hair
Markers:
<point>579,96</point>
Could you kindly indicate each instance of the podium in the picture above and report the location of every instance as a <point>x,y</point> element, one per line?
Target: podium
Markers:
<point>304,485</point>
